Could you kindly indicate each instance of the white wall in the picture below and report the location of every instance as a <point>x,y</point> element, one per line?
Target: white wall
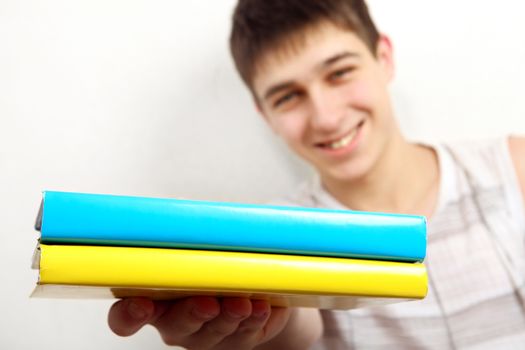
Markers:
<point>140,98</point>
<point>460,66</point>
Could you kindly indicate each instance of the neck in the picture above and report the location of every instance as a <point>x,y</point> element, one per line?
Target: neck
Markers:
<point>404,180</point>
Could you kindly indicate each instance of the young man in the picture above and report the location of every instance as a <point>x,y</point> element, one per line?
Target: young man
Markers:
<point>319,72</point>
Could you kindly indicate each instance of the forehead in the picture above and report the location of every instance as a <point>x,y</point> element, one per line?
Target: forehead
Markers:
<point>299,54</point>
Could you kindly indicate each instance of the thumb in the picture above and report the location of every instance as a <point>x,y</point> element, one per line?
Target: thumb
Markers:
<point>127,316</point>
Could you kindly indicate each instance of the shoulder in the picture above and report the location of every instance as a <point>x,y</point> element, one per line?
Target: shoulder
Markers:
<point>496,160</point>
<point>517,154</point>
<point>486,160</point>
<point>492,168</point>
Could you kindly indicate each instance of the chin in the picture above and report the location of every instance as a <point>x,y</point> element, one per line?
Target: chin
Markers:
<point>346,173</point>
<point>348,177</point>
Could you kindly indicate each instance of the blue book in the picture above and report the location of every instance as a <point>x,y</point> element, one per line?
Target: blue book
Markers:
<point>99,219</point>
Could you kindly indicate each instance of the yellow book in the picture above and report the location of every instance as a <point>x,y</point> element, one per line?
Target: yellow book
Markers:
<point>284,280</point>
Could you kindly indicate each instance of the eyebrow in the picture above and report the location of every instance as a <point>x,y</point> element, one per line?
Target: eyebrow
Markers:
<point>338,57</point>
<point>325,63</point>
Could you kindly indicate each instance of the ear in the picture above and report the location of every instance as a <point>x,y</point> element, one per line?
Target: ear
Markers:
<point>385,56</point>
<point>263,115</point>
<point>258,106</point>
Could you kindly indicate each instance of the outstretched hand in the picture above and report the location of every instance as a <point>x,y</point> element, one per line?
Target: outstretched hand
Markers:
<point>201,322</point>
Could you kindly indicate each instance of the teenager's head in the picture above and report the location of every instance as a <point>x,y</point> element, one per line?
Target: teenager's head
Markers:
<point>266,26</point>
<point>321,85</point>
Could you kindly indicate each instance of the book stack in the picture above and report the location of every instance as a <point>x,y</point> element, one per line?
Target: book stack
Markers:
<point>94,245</point>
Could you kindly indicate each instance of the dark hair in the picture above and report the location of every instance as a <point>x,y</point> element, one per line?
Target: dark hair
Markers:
<point>261,25</point>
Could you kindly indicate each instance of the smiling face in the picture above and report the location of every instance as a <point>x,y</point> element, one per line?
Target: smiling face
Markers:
<point>327,97</point>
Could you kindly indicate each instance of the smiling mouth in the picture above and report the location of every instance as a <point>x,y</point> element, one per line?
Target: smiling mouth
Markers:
<point>343,141</point>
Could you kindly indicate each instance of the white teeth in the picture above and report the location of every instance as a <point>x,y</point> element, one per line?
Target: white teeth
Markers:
<point>343,141</point>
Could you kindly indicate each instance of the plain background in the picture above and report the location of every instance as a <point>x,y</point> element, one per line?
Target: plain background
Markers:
<point>141,98</point>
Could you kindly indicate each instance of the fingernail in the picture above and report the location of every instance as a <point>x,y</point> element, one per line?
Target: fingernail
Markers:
<point>234,315</point>
<point>136,311</point>
<point>202,315</point>
<point>260,315</point>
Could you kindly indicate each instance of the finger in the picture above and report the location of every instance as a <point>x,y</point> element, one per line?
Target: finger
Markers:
<point>278,319</point>
<point>261,311</point>
<point>233,312</point>
<point>185,317</point>
<point>250,331</point>
<point>264,324</point>
<point>127,316</point>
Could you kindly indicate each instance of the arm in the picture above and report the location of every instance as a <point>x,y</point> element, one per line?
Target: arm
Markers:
<point>211,323</point>
<point>517,153</point>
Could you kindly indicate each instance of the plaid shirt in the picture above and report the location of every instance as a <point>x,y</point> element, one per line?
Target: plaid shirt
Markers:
<point>475,261</point>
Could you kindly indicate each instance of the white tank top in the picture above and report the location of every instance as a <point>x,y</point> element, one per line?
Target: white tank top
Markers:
<point>475,261</point>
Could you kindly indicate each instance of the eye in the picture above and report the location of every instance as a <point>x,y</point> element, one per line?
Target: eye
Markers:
<point>286,99</point>
<point>340,74</point>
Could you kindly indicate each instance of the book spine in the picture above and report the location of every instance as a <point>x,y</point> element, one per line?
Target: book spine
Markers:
<point>211,270</point>
<point>77,218</point>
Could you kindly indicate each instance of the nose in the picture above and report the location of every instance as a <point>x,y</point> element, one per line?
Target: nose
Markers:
<point>326,111</point>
